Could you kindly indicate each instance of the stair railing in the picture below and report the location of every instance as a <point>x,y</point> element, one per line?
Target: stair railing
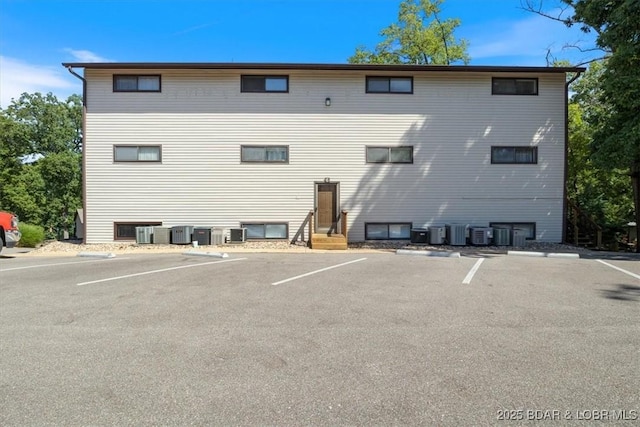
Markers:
<point>579,222</point>
<point>308,221</point>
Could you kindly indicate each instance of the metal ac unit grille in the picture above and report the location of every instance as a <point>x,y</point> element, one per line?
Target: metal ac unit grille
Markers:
<point>519,237</point>
<point>457,234</point>
<point>436,235</point>
<point>143,234</point>
<point>501,236</point>
<point>202,235</point>
<point>480,236</point>
<point>238,235</point>
<point>161,235</point>
<point>217,236</point>
<point>181,234</point>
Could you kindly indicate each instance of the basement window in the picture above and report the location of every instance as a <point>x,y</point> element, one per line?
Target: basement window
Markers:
<point>267,230</point>
<point>387,231</point>
<point>127,230</point>
<point>529,227</point>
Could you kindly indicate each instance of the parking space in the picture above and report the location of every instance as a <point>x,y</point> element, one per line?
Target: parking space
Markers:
<point>330,339</point>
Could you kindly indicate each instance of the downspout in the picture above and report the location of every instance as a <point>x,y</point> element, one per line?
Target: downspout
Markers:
<point>566,155</point>
<point>84,157</point>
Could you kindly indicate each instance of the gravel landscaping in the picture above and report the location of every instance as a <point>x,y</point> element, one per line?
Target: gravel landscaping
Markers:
<point>73,247</point>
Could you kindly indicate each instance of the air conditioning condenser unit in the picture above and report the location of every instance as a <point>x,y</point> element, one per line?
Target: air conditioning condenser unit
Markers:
<point>238,235</point>
<point>480,236</point>
<point>437,234</point>
<point>457,234</point>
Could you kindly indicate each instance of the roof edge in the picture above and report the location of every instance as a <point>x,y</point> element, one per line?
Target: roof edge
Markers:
<point>318,67</point>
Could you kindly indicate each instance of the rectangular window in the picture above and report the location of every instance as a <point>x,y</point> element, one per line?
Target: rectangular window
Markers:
<point>127,230</point>
<point>514,86</point>
<point>389,84</point>
<point>264,84</point>
<point>529,227</point>
<point>137,153</point>
<point>514,155</point>
<point>136,83</point>
<point>387,231</point>
<point>390,154</point>
<point>264,154</point>
<point>276,230</point>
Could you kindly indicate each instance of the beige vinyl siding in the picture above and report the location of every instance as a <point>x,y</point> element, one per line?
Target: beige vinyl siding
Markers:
<point>201,119</point>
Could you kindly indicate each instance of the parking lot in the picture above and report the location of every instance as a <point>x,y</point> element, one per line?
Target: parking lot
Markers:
<point>341,338</point>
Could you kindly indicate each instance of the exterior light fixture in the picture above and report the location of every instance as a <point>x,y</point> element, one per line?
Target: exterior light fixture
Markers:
<point>327,102</point>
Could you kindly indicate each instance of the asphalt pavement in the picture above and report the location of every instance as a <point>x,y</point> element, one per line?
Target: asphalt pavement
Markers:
<point>318,339</point>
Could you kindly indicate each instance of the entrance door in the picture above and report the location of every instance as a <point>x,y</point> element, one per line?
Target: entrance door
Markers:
<point>327,207</point>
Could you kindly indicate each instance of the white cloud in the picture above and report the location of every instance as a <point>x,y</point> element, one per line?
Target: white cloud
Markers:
<point>86,56</point>
<point>529,39</point>
<point>18,77</point>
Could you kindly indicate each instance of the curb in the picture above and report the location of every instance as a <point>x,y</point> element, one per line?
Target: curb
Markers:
<point>428,253</point>
<point>209,254</point>
<point>569,255</point>
<point>97,254</point>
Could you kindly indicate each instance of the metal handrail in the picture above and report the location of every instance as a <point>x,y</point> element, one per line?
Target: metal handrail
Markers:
<point>300,232</point>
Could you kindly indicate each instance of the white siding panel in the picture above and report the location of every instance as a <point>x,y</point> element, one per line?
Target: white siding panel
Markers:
<point>201,119</point>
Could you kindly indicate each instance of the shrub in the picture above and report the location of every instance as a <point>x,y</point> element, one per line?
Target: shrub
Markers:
<point>32,235</point>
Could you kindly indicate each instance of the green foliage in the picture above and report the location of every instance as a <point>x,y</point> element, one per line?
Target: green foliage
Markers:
<point>615,141</point>
<point>419,37</point>
<point>32,235</point>
<point>601,191</point>
<point>40,160</point>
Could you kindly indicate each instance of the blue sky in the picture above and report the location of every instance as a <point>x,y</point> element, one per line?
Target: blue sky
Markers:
<point>37,35</point>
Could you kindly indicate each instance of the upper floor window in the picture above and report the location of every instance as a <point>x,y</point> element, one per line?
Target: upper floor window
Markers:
<point>514,86</point>
<point>390,154</point>
<point>136,83</point>
<point>264,84</point>
<point>264,153</point>
<point>517,155</point>
<point>136,153</point>
<point>389,84</point>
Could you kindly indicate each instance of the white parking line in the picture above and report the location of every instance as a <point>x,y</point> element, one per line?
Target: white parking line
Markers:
<point>157,271</point>
<point>317,271</point>
<point>472,272</point>
<point>60,263</point>
<point>637,276</point>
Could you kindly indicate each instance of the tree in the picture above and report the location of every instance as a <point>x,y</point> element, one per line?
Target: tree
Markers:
<point>601,191</point>
<point>616,140</point>
<point>419,37</point>
<point>40,157</point>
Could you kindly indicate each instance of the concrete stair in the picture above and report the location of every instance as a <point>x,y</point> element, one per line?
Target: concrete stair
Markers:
<point>328,241</point>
